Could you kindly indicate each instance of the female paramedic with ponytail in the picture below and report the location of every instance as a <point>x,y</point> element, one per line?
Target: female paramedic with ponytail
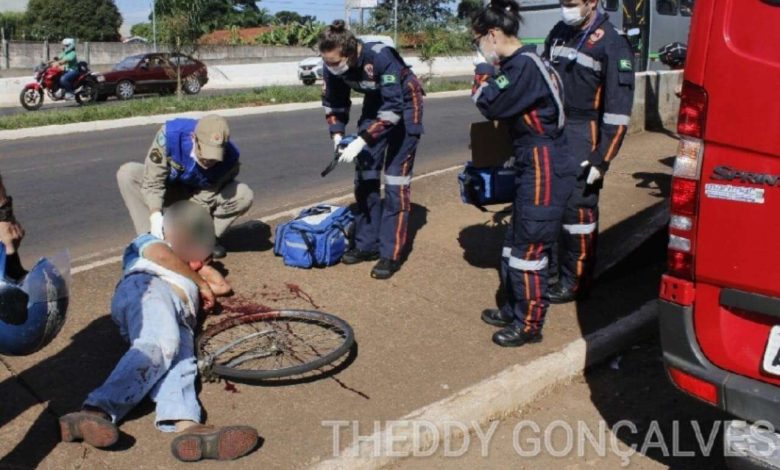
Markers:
<point>513,85</point>
<point>389,129</point>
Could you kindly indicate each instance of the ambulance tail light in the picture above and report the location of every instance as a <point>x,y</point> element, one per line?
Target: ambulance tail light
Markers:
<point>695,386</point>
<point>685,182</point>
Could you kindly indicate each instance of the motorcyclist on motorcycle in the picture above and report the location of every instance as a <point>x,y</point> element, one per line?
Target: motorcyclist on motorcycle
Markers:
<point>69,63</point>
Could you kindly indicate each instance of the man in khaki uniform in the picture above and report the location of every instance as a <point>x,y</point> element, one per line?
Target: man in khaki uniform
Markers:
<point>189,159</point>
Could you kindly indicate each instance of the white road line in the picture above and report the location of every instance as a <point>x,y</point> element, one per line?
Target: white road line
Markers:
<point>266,219</point>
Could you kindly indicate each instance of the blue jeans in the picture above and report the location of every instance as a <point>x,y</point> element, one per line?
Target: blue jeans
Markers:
<point>67,79</point>
<point>161,360</point>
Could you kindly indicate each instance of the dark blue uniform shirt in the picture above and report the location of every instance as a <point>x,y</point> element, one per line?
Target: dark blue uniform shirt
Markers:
<point>393,94</point>
<point>596,66</point>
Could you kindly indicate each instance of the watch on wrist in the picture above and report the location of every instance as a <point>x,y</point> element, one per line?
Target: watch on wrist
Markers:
<point>7,210</point>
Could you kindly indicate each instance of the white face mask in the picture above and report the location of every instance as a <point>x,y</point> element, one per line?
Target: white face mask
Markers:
<point>490,57</point>
<point>340,69</point>
<point>572,16</point>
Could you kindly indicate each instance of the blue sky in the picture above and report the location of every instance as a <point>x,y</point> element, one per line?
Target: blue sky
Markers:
<point>137,11</point>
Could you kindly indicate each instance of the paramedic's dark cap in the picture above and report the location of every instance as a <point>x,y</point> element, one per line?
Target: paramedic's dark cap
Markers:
<point>194,220</point>
<point>212,132</point>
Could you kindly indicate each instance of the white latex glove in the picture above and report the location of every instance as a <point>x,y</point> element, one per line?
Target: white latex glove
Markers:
<point>593,174</point>
<point>510,163</point>
<point>479,59</point>
<point>336,141</point>
<point>156,221</point>
<point>352,151</point>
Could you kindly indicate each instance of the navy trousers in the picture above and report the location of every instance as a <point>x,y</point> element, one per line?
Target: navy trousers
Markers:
<point>543,183</point>
<point>577,253</point>
<point>382,225</point>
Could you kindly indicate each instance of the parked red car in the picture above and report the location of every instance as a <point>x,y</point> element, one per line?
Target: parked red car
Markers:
<point>153,73</point>
<point>720,299</point>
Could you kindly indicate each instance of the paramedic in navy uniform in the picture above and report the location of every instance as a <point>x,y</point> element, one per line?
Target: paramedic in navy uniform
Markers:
<point>596,64</point>
<point>513,85</point>
<point>389,127</point>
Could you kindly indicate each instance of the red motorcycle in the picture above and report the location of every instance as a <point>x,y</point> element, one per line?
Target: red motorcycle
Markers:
<point>47,77</point>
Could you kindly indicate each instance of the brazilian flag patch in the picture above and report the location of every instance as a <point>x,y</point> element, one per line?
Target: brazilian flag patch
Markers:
<point>502,81</point>
<point>625,65</point>
<point>389,79</point>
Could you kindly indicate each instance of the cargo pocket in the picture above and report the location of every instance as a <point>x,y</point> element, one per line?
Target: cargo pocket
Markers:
<point>538,224</point>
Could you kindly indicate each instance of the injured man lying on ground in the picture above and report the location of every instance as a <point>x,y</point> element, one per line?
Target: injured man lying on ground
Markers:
<point>165,284</point>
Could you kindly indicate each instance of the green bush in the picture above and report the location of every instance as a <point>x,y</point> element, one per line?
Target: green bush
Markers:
<point>292,34</point>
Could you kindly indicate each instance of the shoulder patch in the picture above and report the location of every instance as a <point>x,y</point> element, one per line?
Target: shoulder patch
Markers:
<point>161,139</point>
<point>378,47</point>
<point>502,81</point>
<point>624,65</point>
<point>156,156</point>
<point>389,79</point>
<point>596,36</point>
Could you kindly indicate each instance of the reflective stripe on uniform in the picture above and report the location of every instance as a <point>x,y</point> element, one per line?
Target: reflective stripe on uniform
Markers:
<point>368,174</point>
<point>389,116</point>
<point>368,85</point>
<point>580,229</point>
<point>398,180</point>
<point>582,58</point>
<point>329,110</point>
<point>506,252</point>
<point>475,96</point>
<point>616,119</point>
<point>527,265</point>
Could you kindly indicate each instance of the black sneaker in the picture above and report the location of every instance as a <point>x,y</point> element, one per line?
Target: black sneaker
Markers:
<point>559,294</point>
<point>513,337</point>
<point>355,256</point>
<point>497,317</point>
<point>219,252</point>
<point>385,269</point>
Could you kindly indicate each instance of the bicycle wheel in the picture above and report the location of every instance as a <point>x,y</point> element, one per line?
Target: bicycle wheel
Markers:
<point>273,345</point>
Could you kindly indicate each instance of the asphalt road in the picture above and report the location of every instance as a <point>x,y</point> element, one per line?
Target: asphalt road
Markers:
<point>65,190</point>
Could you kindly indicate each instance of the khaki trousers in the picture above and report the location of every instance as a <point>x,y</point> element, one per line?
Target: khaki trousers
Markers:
<point>226,205</point>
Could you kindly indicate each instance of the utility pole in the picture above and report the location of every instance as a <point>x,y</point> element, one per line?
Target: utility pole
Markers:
<point>154,24</point>
<point>395,22</point>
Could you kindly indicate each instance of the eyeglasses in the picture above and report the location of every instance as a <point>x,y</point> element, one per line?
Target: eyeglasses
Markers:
<point>475,42</point>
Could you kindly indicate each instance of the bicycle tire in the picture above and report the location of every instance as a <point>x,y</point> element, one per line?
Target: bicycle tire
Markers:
<point>256,375</point>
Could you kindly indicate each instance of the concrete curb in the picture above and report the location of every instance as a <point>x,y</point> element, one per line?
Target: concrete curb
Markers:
<point>514,387</point>
<point>92,126</point>
<point>495,397</point>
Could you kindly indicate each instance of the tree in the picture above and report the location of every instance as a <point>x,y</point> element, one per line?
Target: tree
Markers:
<point>142,30</point>
<point>87,20</point>
<point>181,24</point>
<point>467,9</point>
<point>413,15</point>
<point>288,17</point>
<point>14,25</point>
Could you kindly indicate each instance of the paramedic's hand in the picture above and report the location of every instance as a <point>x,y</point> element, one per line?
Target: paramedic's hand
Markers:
<point>156,222</point>
<point>510,163</point>
<point>352,151</point>
<point>336,141</point>
<point>593,173</point>
<point>207,298</point>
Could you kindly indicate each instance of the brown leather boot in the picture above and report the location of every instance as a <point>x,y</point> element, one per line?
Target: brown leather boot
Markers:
<point>218,443</point>
<point>93,427</point>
